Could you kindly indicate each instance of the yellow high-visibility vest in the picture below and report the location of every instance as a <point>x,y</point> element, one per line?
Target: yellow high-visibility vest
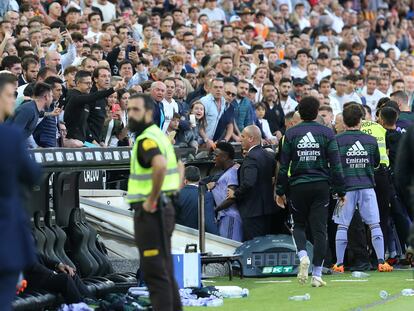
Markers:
<point>376,130</point>
<point>140,178</point>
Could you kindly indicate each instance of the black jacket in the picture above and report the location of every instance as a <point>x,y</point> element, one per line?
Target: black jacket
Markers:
<point>255,193</point>
<point>276,118</point>
<point>96,119</point>
<point>404,168</point>
<point>77,112</point>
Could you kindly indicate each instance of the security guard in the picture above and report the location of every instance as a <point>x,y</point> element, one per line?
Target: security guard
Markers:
<point>382,182</point>
<point>155,175</point>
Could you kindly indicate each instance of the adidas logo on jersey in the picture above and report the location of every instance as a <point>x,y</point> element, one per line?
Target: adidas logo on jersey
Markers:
<point>308,141</point>
<point>357,150</point>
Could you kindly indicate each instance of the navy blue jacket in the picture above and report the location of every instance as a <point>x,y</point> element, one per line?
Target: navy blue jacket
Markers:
<point>25,117</point>
<point>187,209</point>
<point>45,132</point>
<point>16,169</point>
<point>158,116</point>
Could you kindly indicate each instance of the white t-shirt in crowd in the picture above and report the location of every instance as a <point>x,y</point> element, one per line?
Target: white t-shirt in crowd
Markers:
<point>216,14</point>
<point>91,34</point>
<point>288,105</point>
<point>169,110</point>
<point>303,23</point>
<point>323,74</point>
<point>335,105</point>
<point>386,46</point>
<point>108,10</point>
<point>372,100</point>
<point>337,22</point>
<point>296,72</point>
<point>353,97</point>
<point>266,129</point>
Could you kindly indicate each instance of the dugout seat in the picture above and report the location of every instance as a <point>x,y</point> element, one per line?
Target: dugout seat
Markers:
<point>60,238</point>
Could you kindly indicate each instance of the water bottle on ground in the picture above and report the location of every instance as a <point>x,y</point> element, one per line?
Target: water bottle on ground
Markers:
<point>300,298</point>
<point>407,292</point>
<point>214,303</point>
<point>360,274</point>
<point>383,294</point>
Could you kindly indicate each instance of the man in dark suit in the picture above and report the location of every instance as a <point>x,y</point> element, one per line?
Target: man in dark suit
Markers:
<point>187,205</point>
<point>56,277</point>
<point>254,196</point>
<point>16,170</point>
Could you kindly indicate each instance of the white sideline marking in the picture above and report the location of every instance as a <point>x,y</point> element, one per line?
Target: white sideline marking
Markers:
<point>262,282</point>
<point>349,280</point>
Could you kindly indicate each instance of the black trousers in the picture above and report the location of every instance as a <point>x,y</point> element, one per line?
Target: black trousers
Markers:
<point>8,282</point>
<point>310,203</point>
<point>71,288</point>
<point>383,191</point>
<point>257,226</point>
<point>153,238</point>
<point>357,252</point>
<point>400,217</point>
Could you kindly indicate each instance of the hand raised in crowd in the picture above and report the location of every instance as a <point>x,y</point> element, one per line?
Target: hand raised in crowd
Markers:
<point>67,36</point>
<point>133,55</point>
<point>56,112</point>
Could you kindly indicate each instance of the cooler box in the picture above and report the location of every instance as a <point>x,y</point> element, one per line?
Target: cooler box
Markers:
<point>187,269</point>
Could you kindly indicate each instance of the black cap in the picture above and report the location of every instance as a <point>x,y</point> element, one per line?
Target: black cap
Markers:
<point>298,81</point>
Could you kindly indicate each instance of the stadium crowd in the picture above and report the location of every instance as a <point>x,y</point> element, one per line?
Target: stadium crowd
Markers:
<point>243,71</point>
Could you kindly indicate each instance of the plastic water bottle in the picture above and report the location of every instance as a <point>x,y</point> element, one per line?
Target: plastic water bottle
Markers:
<point>407,292</point>
<point>383,294</point>
<point>359,274</point>
<point>215,303</point>
<point>300,298</point>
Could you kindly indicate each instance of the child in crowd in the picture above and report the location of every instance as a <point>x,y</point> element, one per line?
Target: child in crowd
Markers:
<point>260,113</point>
<point>199,123</point>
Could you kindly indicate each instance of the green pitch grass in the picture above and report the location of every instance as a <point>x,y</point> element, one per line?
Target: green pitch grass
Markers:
<point>336,296</point>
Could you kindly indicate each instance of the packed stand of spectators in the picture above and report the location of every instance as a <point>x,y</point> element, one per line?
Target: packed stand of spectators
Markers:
<point>218,72</point>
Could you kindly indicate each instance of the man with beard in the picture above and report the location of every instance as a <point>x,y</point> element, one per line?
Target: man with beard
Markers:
<point>243,109</point>
<point>274,112</point>
<point>287,102</point>
<point>77,107</point>
<point>154,178</point>
<point>97,112</point>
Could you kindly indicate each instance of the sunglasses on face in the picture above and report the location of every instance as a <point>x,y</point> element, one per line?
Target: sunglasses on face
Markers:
<point>231,94</point>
